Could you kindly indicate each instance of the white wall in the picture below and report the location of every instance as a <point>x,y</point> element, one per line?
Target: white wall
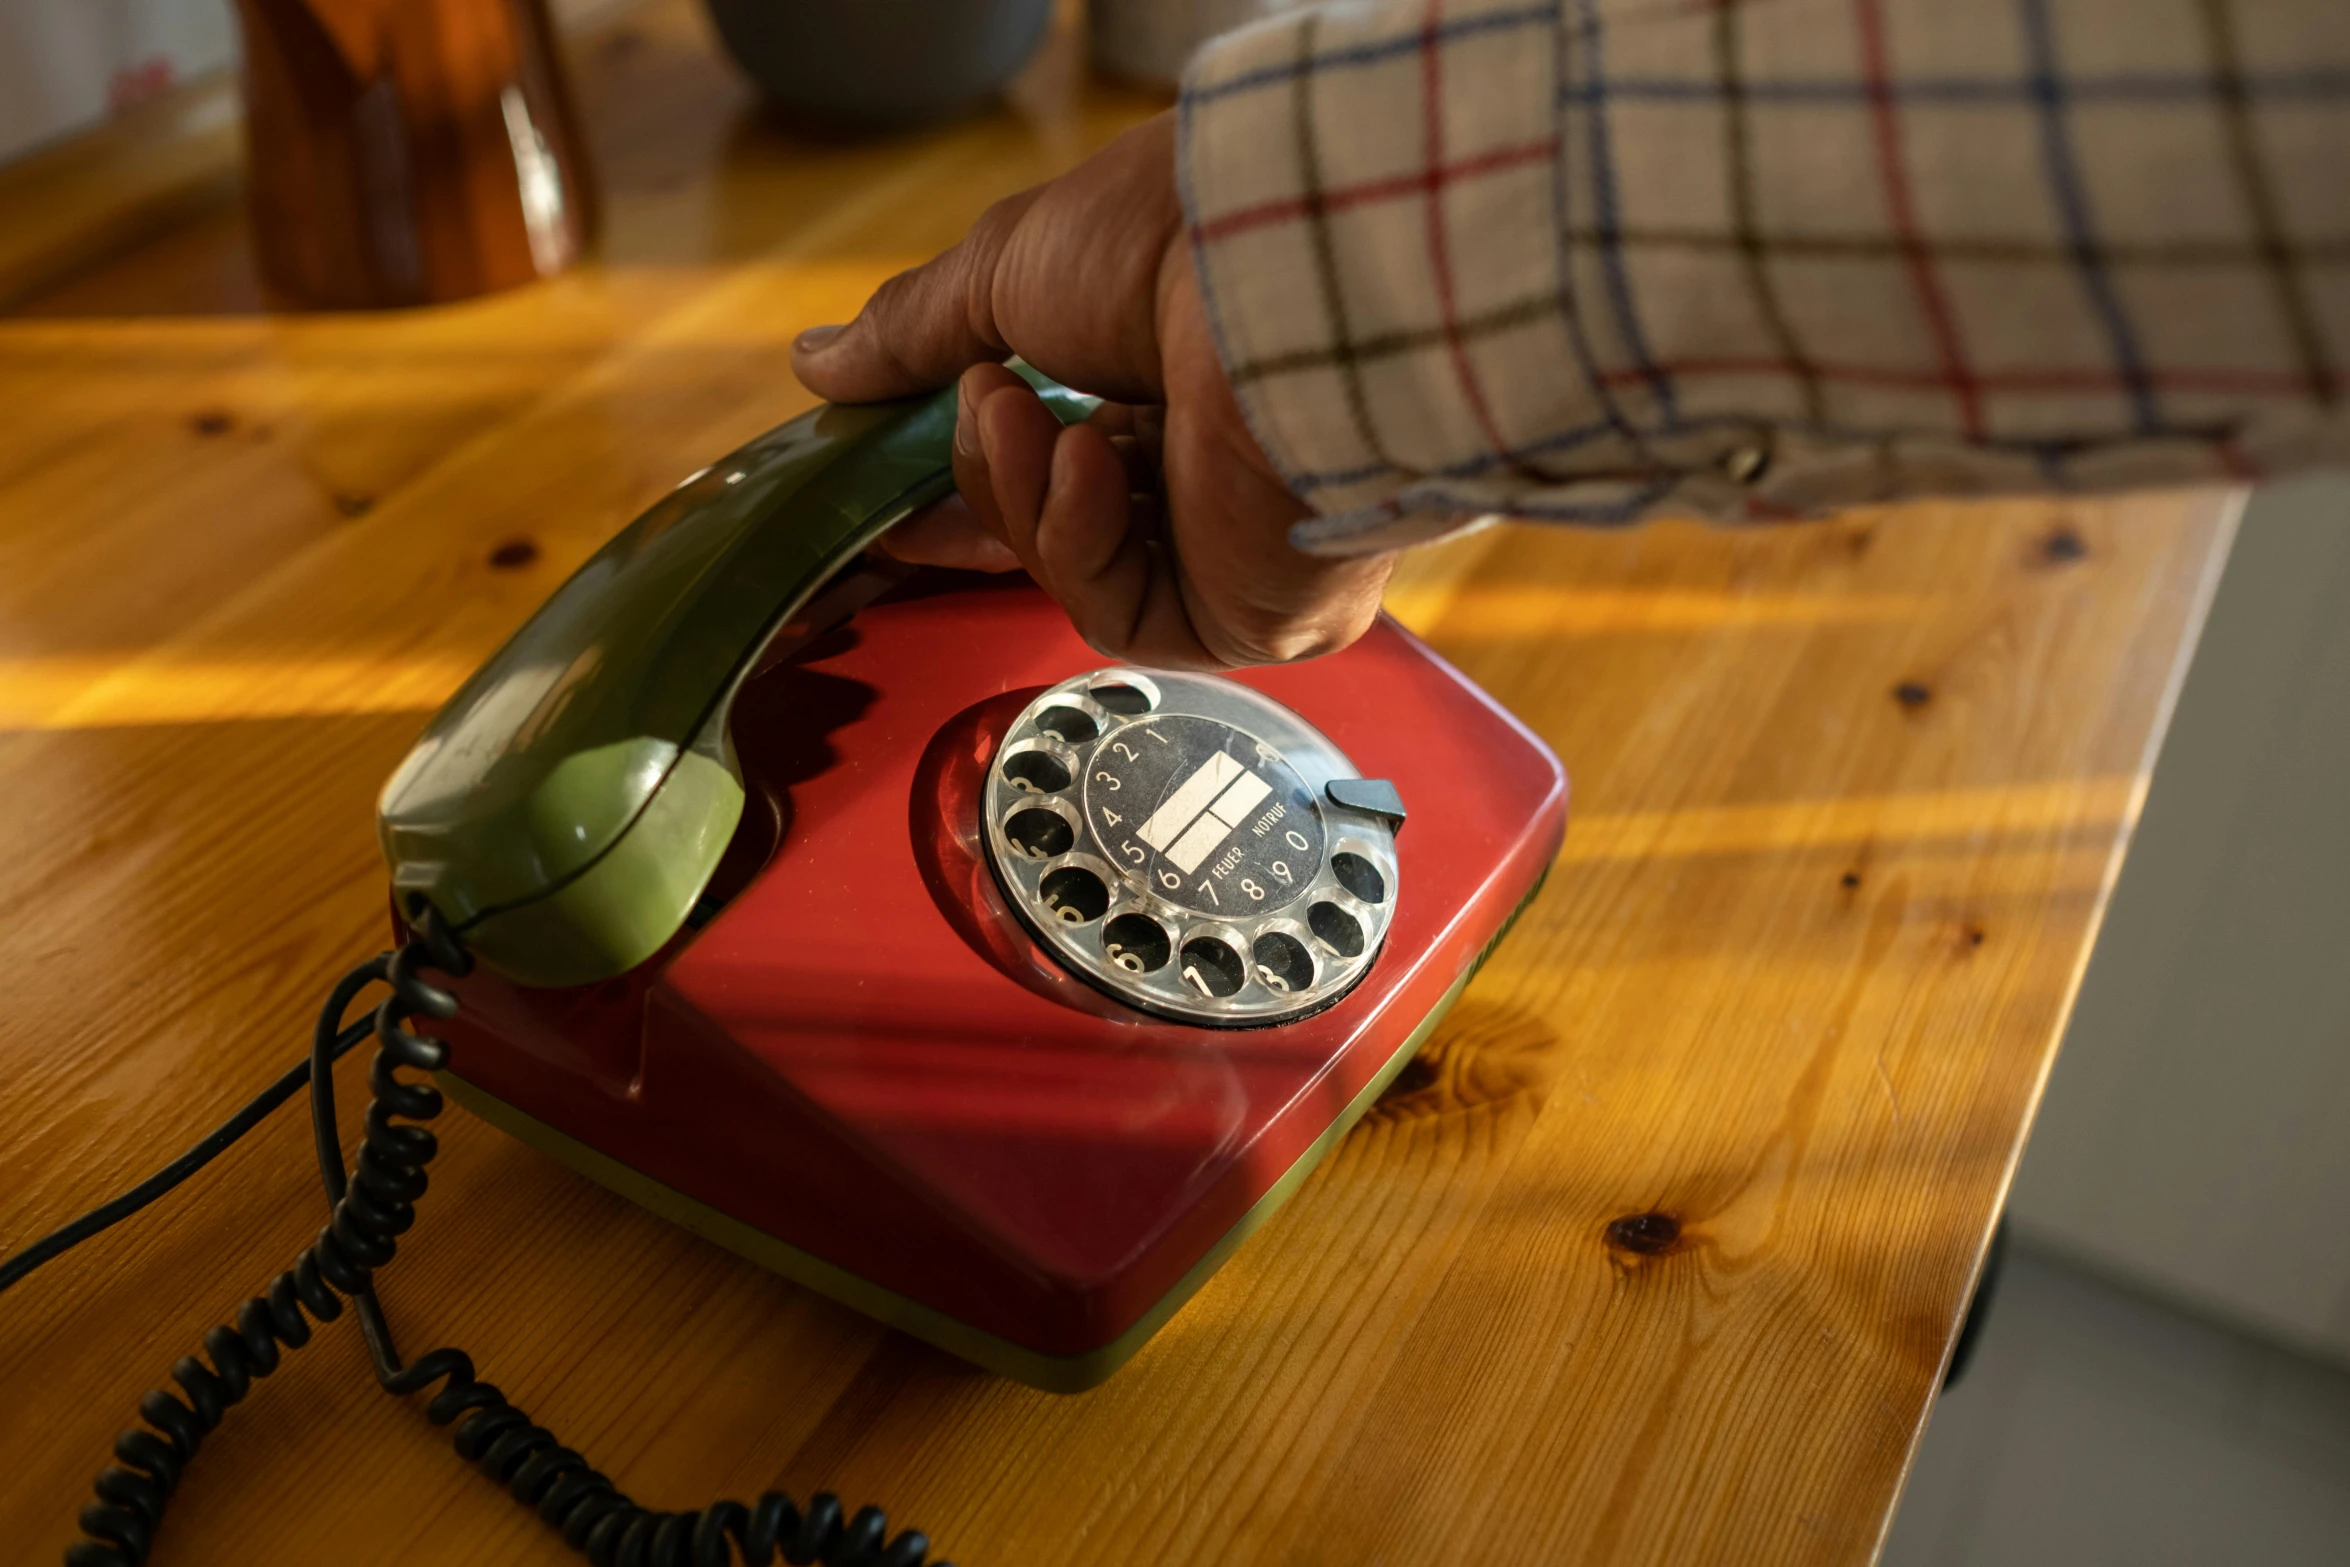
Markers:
<point>2196,1135</point>
<point>66,64</point>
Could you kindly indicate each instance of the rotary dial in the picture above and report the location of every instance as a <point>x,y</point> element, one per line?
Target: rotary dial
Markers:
<point>1177,840</point>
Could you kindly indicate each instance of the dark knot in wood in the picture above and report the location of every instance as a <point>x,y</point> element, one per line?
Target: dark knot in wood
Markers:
<point>1418,1073</point>
<point>1647,1234</point>
<point>2062,547</point>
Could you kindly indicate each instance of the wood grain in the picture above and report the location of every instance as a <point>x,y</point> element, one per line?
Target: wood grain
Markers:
<point>1849,801</point>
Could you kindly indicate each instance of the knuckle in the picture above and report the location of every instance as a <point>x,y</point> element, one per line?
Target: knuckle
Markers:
<point>984,250</point>
<point>1275,638</point>
<point>1113,636</point>
<point>1234,648</point>
<point>997,222</point>
<point>894,295</point>
<point>893,312</point>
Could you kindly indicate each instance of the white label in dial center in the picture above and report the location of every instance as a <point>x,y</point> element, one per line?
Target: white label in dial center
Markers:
<point>1189,799</point>
<point>1197,844</point>
<point>1202,815</point>
<point>1230,809</point>
<point>1234,804</point>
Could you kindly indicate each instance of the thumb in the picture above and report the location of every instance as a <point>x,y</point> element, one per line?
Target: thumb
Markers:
<point>922,328</point>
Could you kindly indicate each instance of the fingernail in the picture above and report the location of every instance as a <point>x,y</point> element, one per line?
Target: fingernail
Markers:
<point>966,422</point>
<point>816,339</point>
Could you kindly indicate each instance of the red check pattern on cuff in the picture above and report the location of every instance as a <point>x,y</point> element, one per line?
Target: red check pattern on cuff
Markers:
<point>1593,260</point>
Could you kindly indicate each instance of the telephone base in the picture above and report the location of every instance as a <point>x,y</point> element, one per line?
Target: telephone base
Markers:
<point>1048,1373</point>
<point>860,1069</point>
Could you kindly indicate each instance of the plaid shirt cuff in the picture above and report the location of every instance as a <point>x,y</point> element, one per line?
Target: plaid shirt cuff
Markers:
<point>1593,260</point>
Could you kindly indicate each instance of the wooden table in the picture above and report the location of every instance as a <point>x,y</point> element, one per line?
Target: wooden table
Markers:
<point>1850,799</point>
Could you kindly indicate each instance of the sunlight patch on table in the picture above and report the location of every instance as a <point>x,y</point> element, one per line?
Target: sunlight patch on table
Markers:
<point>1485,613</point>
<point>96,693</point>
<point>1891,820</point>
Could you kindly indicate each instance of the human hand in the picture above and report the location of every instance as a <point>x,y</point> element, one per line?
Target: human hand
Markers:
<point>1159,524</point>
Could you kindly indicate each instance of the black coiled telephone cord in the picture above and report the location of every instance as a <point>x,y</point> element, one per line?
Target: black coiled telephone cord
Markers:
<point>373,1207</point>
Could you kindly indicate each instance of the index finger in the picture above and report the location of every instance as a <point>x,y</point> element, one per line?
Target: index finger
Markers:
<point>920,329</point>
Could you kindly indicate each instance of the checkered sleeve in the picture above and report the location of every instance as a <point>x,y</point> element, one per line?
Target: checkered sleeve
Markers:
<point>1594,260</point>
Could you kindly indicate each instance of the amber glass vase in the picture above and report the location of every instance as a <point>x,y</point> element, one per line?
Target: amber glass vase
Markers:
<point>404,152</point>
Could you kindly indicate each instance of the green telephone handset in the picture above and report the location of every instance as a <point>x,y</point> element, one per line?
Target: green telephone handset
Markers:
<point>567,807</point>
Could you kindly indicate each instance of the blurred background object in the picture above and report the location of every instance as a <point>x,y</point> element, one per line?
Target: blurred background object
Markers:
<point>880,64</point>
<point>66,67</point>
<point>1150,41</point>
<point>397,152</point>
<point>404,152</point>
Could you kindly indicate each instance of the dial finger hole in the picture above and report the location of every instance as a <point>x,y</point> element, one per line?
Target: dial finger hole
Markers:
<point>1074,895</point>
<point>1359,876</point>
<point>1284,966</point>
<point>1038,833</point>
<point>1036,772</point>
<point>1068,723</point>
<point>1336,929</point>
<point>1137,943</point>
<point>1212,968</point>
<point>1123,697</point>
